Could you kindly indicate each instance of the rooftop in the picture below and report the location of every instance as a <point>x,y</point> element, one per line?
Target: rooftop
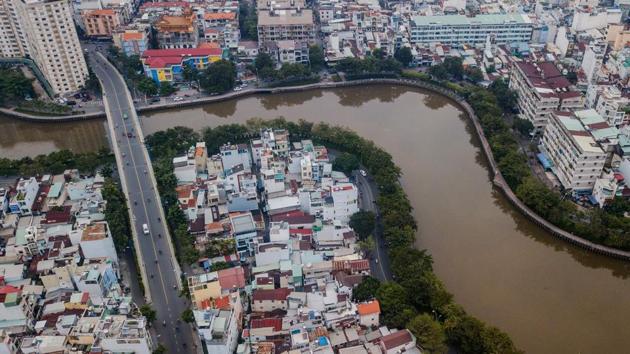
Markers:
<point>461,20</point>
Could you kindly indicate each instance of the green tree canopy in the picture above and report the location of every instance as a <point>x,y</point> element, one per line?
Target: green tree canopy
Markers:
<point>219,77</point>
<point>366,290</point>
<point>147,86</point>
<point>363,223</point>
<point>395,308</point>
<point>404,56</point>
<point>147,311</point>
<point>166,88</point>
<point>346,163</point>
<point>316,57</point>
<point>429,334</point>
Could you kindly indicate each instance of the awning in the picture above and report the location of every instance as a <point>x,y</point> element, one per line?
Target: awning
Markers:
<point>544,160</point>
<point>593,200</point>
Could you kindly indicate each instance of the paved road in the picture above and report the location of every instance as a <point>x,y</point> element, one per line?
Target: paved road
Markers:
<point>157,261</point>
<point>380,262</point>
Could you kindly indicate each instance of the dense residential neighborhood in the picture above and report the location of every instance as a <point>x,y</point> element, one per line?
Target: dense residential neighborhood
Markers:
<point>293,260</point>
<point>278,243</point>
<point>60,274</point>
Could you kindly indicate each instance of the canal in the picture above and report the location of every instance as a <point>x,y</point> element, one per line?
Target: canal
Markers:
<point>549,296</point>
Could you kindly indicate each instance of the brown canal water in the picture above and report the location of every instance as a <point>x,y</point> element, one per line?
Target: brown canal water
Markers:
<point>21,138</point>
<point>549,296</point>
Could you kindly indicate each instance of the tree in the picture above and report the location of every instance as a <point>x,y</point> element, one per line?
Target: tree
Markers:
<point>219,266</point>
<point>263,60</point>
<point>148,312</point>
<point>293,70</point>
<point>166,89</point>
<point>14,86</point>
<point>147,86</point>
<point>190,73</point>
<point>474,74</point>
<point>366,290</point>
<point>346,163</point>
<point>429,334</point>
<point>368,245</point>
<point>404,56</point>
<point>513,167</point>
<point>219,77</point>
<point>523,126</point>
<point>454,66</point>
<point>248,21</point>
<point>379,53</point>
<point>438,72</point>
<point>363,223</point>
<point>316,57</point>
<point>506,98</point>
<point>161,349</point>
<point>188,316</point>
<point>395,308</point>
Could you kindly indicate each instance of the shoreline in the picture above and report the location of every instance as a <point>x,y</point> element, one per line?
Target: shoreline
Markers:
<point>497,178</point>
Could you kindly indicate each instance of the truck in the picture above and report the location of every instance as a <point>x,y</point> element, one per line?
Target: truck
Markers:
<point>145,229</point>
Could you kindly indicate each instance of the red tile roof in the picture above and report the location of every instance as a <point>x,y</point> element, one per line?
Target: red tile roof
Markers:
<point>160,58</point>
<point>275,322</point>
<point>275,294</point>
<point>369,308</point>
<point>352,265</point>
<point>396,339</point>
<point>232,278</point>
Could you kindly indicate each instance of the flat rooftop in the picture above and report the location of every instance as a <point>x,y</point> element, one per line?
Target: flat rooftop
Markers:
<point>461,20</point>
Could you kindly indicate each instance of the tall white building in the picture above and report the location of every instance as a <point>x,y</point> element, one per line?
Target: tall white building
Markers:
<point>44,31</point>
<point>541,89</point>
<point>576,156</point>
<point>460,29</point>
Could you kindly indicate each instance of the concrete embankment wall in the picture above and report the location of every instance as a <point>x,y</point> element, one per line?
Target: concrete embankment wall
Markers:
<point>497,178</point>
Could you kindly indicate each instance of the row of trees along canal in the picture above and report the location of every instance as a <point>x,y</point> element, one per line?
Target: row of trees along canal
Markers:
<point>416,299</point>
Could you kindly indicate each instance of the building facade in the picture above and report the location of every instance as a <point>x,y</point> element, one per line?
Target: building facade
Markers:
<point>100,23</point>
<point>45,32</point>
<point>541,89</point>
<point>286,25</point>
<point>460,29</point>
<point>577,158</point>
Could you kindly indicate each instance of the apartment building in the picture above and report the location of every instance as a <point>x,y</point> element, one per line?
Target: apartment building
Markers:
<point>277,25</point>
<point>11,37</point>
<point>44,31</point>
<point>460,29</point>
<point>131,42</point>
<point>609,103</point>
<point>542,89</point>
<point>100,23</point>
<point>576,156</point>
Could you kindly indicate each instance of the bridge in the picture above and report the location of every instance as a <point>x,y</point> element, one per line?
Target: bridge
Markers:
<point>156,255</point>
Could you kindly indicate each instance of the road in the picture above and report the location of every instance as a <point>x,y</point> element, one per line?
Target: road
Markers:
<point>157,261</point>
<point>367,201</point>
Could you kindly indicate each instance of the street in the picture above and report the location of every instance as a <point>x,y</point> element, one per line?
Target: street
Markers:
<point>367,201</point>
<point>156,258</point>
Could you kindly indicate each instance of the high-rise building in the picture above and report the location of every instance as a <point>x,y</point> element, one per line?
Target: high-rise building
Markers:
<point>44,31</point>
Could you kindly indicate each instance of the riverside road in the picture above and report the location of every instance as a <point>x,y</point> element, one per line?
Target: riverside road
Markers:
<point>155,253</point>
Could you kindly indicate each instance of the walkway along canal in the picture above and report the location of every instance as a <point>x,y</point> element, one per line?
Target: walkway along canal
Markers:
<point>549,299</point>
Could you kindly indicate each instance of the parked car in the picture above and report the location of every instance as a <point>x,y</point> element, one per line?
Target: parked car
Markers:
<point>363,173</point>
<point>178,99</point>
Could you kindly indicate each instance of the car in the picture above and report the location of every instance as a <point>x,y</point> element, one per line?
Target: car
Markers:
<point>125,116</point>
<point>237,89</point>
<point>363,173</point>
<point>129,135</point>
<point>145,229</point>
<point>178,99</point>
<point>155,99</point>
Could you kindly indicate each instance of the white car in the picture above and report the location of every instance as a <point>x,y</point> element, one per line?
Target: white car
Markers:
<point>145,229</point>
<point>363,173</point>
<point>178,99</point>
<point>237,89</point>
